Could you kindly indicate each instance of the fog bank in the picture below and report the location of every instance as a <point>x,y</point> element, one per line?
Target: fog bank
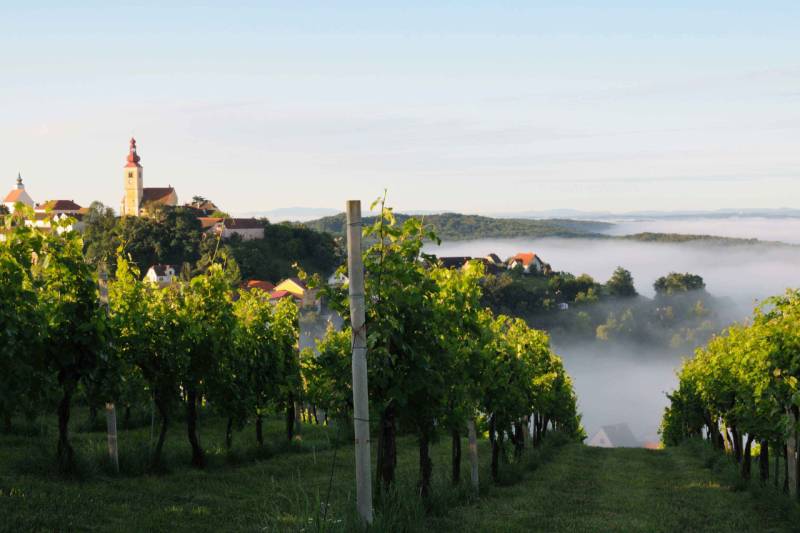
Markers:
<point>746,274</point>
<point>619,383</point>
<point>784,229</point>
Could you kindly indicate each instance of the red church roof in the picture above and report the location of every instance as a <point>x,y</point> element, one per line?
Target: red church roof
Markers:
<point>133,157</point>
<point>156,194</point>
<point>14,195</point>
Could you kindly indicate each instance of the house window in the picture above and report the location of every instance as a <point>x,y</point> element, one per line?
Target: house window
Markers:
<point>130,173</point>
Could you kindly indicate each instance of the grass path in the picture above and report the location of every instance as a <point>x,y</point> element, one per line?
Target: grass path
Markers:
<point>631,490</point>
<point>574,489</point>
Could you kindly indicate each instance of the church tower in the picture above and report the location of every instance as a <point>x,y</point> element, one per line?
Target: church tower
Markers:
<point>133,183</point>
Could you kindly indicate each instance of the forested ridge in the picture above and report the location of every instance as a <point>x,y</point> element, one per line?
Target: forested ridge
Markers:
<point>460,227</point>
<point>454,226</point>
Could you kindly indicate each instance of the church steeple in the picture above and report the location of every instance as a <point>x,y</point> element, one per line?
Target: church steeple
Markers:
<point>19,181</point>
<point>134,182</point>
<point>133,157</point>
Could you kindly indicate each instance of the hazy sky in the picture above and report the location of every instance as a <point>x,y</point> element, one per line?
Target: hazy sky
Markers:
<point>469,106</point>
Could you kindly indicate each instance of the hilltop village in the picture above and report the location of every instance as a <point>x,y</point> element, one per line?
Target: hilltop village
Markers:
<point>139,201</point>
<point>143,202</point>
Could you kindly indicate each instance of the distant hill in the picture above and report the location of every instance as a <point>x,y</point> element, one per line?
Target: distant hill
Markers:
<point>705,239</point>
<point>456,227</point>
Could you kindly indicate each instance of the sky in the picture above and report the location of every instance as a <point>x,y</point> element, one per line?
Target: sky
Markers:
<point>471,106</point>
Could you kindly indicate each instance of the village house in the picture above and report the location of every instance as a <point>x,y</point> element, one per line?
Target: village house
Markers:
<point>161,275</point>
<point>294,286</point>
<point>253,284</point>
<point>46,213</point>
<point>529,262</point>
<point>297,289</point>
<point>337,279</point>
<point>614,436</point>
<point>17,195</point>
<point>59,207</point>
<point>246,228</point>
<point>454,262</point>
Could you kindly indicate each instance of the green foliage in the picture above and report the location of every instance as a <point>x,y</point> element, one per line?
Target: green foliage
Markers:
<point>274,257</point>
<point>621,284</point>
<point>675,282</point>
<point>169,236</point>
<point>434,354</point>
<point>21,329</point>
<point>327,374</point>
<point>744,382</point>
<point>611,312</point>
<point>58,334</point>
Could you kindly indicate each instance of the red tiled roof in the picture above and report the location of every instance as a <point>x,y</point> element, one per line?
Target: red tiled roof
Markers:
<point>59,205</point>
<point>525,258</point>
<point>265,286</point>
<point>277,295</point>
<point>207,222</point>
<point>156,194</point>
<point>14,195</point>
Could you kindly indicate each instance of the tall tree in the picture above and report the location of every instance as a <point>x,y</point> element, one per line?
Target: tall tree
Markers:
<point>621,283</point>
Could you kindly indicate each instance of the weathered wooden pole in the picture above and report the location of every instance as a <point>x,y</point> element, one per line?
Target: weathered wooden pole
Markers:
<point>791,454</point>
<point>355,271</point>
<point>111,426</point>
<point>473,454</point>
<point>111,413</point>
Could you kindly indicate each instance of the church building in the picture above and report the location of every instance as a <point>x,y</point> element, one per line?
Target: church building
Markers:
<point>17,195</point>
<point>137,197</point>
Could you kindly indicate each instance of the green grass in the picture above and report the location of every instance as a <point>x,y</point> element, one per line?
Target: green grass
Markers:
<point>284,487</point>
<point>281,487</point>
<point>631,490</point>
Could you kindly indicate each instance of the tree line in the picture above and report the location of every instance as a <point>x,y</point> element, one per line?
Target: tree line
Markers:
<point>174,236</point>
<point>437,360</point>
<point>740,392</point>
<point>681,315</point>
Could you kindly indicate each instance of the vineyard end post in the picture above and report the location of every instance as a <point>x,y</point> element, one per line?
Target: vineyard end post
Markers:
<point>111,413</point>
<point>355,272</point>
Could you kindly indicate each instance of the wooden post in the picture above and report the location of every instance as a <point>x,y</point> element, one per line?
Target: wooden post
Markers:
<point>473,454</point>
<point>111,426</point>
<point>111,413</point>
<point>791,454</point>
<point>355,271</point>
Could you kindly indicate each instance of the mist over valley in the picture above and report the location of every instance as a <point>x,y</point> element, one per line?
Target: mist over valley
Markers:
<point>626,382</point>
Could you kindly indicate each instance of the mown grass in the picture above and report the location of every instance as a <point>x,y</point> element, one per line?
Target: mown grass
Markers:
<point>689,488</point>
<point>308,486</point>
